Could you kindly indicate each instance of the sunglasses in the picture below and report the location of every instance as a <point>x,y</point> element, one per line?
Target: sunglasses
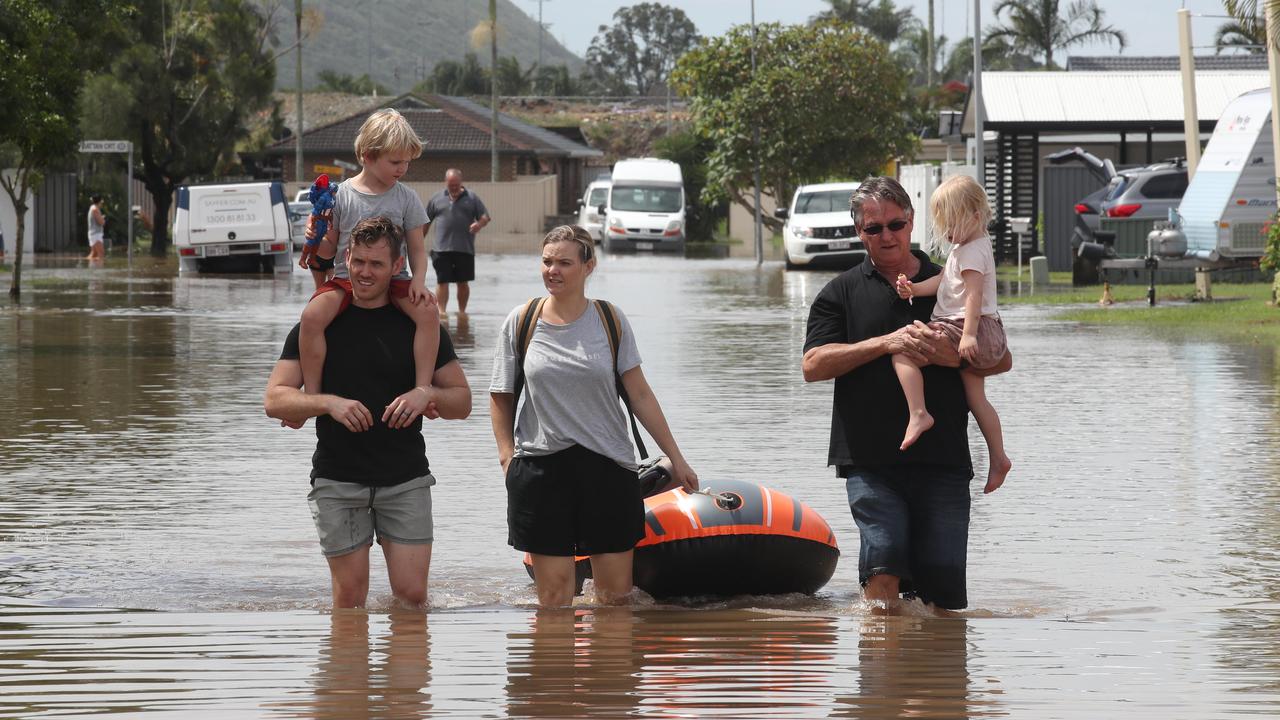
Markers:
<point>894,225</point>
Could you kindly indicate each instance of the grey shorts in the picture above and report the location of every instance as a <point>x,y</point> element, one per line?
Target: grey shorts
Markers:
<point>347,515</point>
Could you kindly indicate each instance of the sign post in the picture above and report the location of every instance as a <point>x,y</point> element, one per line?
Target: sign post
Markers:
<point>118,146</point>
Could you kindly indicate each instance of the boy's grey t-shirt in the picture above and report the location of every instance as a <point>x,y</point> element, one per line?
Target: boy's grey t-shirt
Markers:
<point>569,392</point>
<point>350,206</point>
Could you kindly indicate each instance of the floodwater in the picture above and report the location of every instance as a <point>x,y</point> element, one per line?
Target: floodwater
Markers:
<point>157,555</point>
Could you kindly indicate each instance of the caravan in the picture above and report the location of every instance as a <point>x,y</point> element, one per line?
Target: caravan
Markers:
<point>1232,195</point>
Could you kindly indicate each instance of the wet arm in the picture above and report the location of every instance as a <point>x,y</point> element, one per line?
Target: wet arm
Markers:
<point>450,392</point>
<point>502,412</point>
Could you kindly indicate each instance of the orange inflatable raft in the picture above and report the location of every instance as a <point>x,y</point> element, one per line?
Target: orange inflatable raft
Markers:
<point>731,538</point>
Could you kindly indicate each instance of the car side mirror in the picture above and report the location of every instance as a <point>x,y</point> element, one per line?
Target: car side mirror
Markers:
<point>580,203</point>
<point>782,213</point>
<point>600,210</point>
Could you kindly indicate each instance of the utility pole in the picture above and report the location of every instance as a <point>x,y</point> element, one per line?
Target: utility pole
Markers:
<point>755,147</point>
<point>1190,120</point>
<point>541,30</point>
<point>929,50</point>
<point>297,75</point>
<point>1272,19</point>
<point>493,90</point>
<point>979,152</point>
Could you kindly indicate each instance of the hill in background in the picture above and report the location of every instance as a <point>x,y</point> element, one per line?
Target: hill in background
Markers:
<point>408,38</point>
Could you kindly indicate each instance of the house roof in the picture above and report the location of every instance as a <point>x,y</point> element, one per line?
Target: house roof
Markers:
<point>1104,101</point>
<point>446,125</point>
<point>1136,63</point>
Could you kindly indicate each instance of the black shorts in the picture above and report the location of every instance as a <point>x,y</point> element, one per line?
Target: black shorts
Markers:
<point>573,502</point>
<point>453,267</point>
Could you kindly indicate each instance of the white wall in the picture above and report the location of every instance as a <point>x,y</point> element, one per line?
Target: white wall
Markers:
<point>9,225</point>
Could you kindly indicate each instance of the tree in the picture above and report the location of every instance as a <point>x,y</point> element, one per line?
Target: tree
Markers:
<point>828,99</point>
<point>1035,27</point>
<point>47,46</point>
<point>1247,26</point>
<point>690,151</point>
<point>512,80</point>
<point>555,80</point>
<point>331,81</point>
<point>450,77</point>
<point>641,48</point>
<point>189,77</point>
<point>997,54</point>
<point>881,18</point>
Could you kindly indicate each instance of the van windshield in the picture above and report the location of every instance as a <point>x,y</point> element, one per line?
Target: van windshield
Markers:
<point>646,199</point>
<point>599,196</point>
<point>821,202</point>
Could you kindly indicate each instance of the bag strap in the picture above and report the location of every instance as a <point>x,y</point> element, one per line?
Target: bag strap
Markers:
<point>613,330</point>
<point>527,322</point>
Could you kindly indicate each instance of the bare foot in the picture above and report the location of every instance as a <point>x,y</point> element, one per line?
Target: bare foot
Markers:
<point>916,426</point>
<point>1000,467</point>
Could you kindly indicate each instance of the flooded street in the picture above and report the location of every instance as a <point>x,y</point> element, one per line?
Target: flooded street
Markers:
<point>157,553</point>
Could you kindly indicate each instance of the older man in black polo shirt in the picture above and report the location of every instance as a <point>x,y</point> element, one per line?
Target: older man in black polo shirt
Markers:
<point>457,214</point>
<point>911,506</point>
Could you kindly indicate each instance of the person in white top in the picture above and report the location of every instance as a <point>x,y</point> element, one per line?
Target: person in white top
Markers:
<point>96,222</point>
<point>965,312</point>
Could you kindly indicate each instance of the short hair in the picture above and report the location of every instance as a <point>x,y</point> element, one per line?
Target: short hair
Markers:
<point>574,234</point>
<point>95,199</point>
<point>452,171</point>
<point>386,131</point>
<point>959,208</point>
<point>878,188</point>
<point>370,231</point>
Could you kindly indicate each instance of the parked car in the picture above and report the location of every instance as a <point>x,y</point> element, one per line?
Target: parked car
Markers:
<point>819,229</point>
<point>1146,193</point>
<point>589,217</point>
<point>646,206</point>
<point>298,214</point>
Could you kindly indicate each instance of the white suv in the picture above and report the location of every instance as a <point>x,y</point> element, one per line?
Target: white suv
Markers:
<point>819,228</point>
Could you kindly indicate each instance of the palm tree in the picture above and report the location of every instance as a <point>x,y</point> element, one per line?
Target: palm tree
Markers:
<point>1035,27</point>
<point>1247,26</point>
<point>881,18</point>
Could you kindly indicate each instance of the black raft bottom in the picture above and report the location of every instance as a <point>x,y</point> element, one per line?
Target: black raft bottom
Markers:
<point>734,565</point>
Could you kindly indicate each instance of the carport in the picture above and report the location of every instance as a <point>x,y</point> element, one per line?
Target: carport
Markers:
<point>1130,117</point>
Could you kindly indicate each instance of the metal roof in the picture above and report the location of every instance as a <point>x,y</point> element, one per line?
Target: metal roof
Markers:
<point>1136,63</point>
<point>1104,101</point>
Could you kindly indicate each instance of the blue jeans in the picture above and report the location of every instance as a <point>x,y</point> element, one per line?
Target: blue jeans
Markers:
<point>914,524</point>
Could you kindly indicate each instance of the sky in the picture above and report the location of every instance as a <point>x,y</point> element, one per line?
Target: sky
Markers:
<point>1150,24</point>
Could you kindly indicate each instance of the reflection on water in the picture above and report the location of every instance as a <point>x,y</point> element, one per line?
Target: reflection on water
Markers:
<point>1135,549</point>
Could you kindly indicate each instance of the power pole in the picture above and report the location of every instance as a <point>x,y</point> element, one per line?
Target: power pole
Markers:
<point>297,139</point>
<point>755,147</point>
<point>541,31</point>
<point>979,152</point>
<point>929,50</point>
<point>1187,63</point>
<point>493,90</point>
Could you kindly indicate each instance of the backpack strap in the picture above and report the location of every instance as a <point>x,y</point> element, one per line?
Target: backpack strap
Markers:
<point>526,322</point>
<point>609,317</point>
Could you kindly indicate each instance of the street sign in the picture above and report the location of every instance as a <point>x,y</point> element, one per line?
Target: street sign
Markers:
<point>106,146</point>
<point>327,170</point>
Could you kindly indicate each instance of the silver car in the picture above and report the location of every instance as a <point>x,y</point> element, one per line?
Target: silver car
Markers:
<point>1146,193</point>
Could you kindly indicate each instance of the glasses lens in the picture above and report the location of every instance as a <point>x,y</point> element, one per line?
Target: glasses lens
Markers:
<point>897,225</point>
<point>873,229</point>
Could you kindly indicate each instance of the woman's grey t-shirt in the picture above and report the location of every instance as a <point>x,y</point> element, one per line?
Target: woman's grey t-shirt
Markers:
<point>569,396</point>
<point>400,204</point>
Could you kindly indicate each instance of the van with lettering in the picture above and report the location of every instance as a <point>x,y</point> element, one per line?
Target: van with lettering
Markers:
<point>242,227</point>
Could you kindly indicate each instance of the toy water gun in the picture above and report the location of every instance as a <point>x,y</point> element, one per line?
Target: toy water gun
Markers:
<point>322,196</point>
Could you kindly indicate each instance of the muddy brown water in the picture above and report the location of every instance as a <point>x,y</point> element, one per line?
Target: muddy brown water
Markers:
<point>157,556</point>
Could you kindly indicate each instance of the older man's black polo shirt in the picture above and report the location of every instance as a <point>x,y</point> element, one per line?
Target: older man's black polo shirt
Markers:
<point>869,410</point>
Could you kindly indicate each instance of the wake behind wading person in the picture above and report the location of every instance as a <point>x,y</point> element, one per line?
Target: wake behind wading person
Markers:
<point>370,476</point>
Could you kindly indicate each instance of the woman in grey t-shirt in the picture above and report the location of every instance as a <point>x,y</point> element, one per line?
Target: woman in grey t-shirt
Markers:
<point>569,464</point>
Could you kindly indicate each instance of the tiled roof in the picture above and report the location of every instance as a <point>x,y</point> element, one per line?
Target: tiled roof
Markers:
<point>1130,63</point>
<point>445,124</point>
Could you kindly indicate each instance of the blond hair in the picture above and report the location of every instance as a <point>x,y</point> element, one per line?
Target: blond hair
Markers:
<point>574,234</point>
<point>960,211</point>
<point>386,131</point>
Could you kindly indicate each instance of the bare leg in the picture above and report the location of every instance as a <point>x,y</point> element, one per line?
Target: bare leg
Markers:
<point>882,589</point>
<point>408,567</point>
<point>989,423</point>
<point>442,297</point>
<point>912,381</point>
<point>316,317</point>
<point>611,574</point>
<point>426,338</point>
<point>464,294</point>
<point>350,576</point>
<point>319,277</point>
<point>553,576</point>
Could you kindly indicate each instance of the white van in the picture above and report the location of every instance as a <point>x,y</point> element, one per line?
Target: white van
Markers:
<point>227,228</point>
<point>646,206</point>
<point>589,217</point>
